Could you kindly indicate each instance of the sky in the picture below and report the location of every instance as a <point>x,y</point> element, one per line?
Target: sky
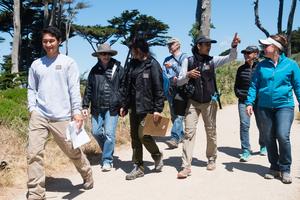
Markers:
<point>228,17</point>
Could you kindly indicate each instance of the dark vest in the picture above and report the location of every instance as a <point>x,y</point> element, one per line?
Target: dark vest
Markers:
<point>204,85</point>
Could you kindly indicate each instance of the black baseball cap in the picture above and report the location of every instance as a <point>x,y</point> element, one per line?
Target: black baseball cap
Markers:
<point>250,49</point>
<point>205,39</point>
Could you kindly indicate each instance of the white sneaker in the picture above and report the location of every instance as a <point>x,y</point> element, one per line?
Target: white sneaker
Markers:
<point>106,167</point>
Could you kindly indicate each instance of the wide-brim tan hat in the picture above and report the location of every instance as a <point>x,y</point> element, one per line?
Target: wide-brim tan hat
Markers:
<point>104,48</point>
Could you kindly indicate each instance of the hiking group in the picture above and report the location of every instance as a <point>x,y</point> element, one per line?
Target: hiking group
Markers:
<point>263,87</point>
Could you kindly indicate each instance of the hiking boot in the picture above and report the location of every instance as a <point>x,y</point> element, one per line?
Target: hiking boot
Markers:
<point>184,173</point>
<point>272,174</point>
<point>88,182</point>
<point>137,172</point>
<point>172,143</point>
<point>106,167</point>
<point>245,156</point>
<point>158,163</point>
<point>263,151</point>
<point>211,165</point>
<point>286,178</point>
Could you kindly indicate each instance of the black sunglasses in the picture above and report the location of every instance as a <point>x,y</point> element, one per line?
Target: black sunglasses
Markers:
<point>104,54</point>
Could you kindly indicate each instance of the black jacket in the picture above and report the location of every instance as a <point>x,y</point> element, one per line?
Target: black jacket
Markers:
<point>205,84</point>
<point>143,87</point>
<point>242,81</point>
<point>94,91</point>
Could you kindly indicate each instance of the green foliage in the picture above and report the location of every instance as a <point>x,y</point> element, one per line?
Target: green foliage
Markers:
<point>13,111</point>
<point>8,80</point>
<point>95,35</point>
<point>132,24</point>
<point>225,81</point>
<point>195,31</point>
<point>295,41</point>
<point>296,57</point>
<point>32,22</point>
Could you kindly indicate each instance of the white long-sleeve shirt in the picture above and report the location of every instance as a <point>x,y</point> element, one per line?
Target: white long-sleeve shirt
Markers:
<point>216,61</point>
<point>54,87</point>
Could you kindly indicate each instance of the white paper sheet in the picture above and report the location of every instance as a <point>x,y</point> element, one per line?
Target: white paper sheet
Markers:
<point>77,137</point>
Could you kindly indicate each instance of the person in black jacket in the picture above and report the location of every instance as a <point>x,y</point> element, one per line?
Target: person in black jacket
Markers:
<point>241,86</point>
<point>102,91</point>
<point>199,72</point>
<point>143,94</point>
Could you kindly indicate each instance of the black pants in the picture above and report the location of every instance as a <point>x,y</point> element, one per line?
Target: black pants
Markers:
<point>138,139</point>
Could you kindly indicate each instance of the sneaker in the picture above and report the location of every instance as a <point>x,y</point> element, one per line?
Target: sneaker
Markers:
<point>263,151</point>
<point>286,178</point>
<point>137,172</point>
<point>211,165</point>
<point>184,173</point>
<point>272,174</point>
<point>172,143</point>
<point>106,167</point>
<point>158,163</point>
<point>88,182</point>
<point>245,156</point>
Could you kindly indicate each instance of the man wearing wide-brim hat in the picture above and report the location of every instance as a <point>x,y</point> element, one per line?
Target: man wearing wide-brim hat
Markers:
<point>102,92</point>
<point>104,48</point>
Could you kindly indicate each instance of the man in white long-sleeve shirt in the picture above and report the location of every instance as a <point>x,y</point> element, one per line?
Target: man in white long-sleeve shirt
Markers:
<point>199,71</point>
<point>53,101</point>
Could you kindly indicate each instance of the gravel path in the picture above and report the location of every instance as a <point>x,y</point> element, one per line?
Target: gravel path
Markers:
<point>231,180</point>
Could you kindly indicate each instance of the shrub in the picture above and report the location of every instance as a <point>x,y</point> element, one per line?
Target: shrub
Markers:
<point>13,111</point>
<point>225,81</point>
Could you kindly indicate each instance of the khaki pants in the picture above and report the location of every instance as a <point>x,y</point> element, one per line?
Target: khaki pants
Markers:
<point>39,128</point>
<point>209,113</point>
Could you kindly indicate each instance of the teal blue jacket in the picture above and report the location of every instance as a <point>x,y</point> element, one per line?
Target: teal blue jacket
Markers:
<point>273,85</point>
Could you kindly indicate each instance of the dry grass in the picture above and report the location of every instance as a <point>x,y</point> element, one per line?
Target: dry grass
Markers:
<point>13,151</point>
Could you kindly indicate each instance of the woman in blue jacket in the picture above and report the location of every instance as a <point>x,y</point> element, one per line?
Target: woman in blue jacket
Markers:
<point>273,81</point>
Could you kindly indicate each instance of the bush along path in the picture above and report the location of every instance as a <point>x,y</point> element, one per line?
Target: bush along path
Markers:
<point>232,180</point>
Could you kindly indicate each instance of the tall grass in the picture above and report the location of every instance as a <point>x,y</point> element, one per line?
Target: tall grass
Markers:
<point>13,110</point>
<point>225,81</point>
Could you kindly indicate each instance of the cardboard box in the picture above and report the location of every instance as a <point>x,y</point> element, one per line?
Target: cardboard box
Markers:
<point>155,128</point>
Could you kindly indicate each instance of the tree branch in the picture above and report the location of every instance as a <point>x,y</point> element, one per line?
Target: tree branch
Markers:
<point>257,20</point>
<point>290,26</point>
<point>279,19</point>
<point>291,18</point>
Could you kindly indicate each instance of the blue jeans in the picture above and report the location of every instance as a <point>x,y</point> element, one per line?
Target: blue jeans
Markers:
<point>245,125</point>
<point>104,130</point>
<point>276,128</point>
<point>177,120</point>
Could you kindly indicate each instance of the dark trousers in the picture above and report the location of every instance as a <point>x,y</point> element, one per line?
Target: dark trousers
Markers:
<point>138,139</point>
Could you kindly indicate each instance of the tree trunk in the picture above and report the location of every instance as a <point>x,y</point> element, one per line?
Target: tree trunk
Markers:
<point>203,16</point>
<point>46,13</point>
<point>279,20</point>
<point>290,26</point>
<point>16,38</point>
<point>257,20</point>
<point>52,21</point>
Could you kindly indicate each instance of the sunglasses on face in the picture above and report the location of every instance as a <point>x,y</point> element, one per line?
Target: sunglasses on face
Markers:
<point>247,53</point>
<point>105,54</point>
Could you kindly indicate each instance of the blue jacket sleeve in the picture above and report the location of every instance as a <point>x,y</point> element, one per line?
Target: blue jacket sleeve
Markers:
<point>254,87</point>
<point>296,81</point>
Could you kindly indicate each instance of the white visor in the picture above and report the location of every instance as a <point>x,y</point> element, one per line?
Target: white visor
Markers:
<point>270,41</point>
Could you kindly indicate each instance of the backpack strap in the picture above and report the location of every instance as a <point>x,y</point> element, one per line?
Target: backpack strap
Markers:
<point>216,88</point>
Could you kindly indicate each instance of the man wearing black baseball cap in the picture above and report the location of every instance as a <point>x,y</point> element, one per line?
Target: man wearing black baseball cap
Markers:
<point>200,73</point>
<point>241,86</point>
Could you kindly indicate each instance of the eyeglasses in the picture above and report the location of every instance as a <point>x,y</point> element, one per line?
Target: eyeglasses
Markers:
<point>104,54</point>
<point>247,53</point>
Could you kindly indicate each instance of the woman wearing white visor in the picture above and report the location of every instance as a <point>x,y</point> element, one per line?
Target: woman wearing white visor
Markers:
<point>273,81</point>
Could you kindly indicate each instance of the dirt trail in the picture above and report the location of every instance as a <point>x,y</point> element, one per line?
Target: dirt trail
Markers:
<point>231,180</point>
